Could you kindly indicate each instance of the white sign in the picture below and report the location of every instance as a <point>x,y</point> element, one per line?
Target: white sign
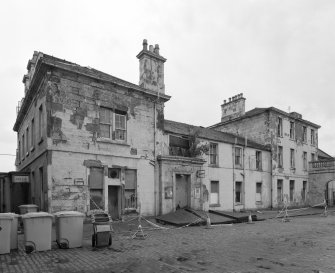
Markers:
<point>20,179</point>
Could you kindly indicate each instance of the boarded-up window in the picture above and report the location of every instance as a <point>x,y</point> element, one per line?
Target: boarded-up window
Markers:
<point>214,198</point>
<point>96,178</point>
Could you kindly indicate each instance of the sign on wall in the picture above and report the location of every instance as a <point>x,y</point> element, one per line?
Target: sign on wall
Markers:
<point>20,178</point>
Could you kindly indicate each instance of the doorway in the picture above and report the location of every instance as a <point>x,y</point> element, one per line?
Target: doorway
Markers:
<point>182,199</point>
<point>114,201</point>
<point>330,193</point>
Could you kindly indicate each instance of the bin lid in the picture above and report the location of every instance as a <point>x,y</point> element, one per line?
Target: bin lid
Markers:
<point>36,215</point>
<point>13,215</point>
<point>28,206</point>
<point>6,216</point>
<point>68,213</point>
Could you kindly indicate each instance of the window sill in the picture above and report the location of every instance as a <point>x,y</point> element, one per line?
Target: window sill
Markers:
<point>32,149</point>
<point>214,205</point>
<point>27,154</point>
<point>111,141</point>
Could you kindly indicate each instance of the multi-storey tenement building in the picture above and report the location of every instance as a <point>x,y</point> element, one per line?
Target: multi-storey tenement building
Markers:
<point>88,139</point>
<point>293,142</point>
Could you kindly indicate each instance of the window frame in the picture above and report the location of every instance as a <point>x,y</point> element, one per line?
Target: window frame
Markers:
<point>259,194</point>
<point>304,134</point>
<point>238,194</point>
<point>292,188</point>
<point>292,158</point>
<point>114,126</point>
<point>213,154</point>
<point>259,160</point>
<point>312,137</point>
<point>304,160</point>
<point>292,130</point>
<point>216,192</point>
<point>32,134</point>
<point>40,121</point>
<point>279,127</point>
<point>280,156</point>
<point>238,158</point>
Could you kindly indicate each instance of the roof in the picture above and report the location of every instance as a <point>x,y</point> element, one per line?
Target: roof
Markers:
<point>257,111</point>
<point>45,60</point>
<point>323,154</point>
<point>209,134</point>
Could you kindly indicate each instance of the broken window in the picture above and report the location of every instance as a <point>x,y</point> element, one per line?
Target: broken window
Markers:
<point>279,190</point>
<point>312,137</point>
<point>280,127</point>
<point>292,130</point>
<point>238,192</point>
<point>304,134</point>
<point>258,160</point>
<point>259,192</point>
<point>238,156</point>
<point>280,156</point>
<point>305,160</point>
<point>112,124</point>
<point>291,190</point>
<point>214,197</point>
<point>292,159</point>
<point>179,146</point>
<point>213,154</point>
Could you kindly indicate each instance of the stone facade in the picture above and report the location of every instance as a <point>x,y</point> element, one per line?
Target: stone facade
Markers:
<point>88,139</point>
<point>293,143</point>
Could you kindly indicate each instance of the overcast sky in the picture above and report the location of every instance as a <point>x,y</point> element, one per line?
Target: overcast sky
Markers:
<point>277,53</point>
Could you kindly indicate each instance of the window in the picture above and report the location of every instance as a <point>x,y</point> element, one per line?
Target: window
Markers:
<point>304,134</point>
<point>304,190</point>
<point>109,129</point>
<point>280,156</point>
<point>304,158</point>
<point>27,140</point>
<point>292,159</point>
<point>312,137</point>
<point>313,156</point>
<point>114,173</point>
<point>291,190</point>
<point>23,147</point>
<point>120,127</point>
<point>291,130</point>
<point>279,190</point>
<point>258,160</point>
<point>238,157</point>
<point>280,127</point>
<point>214,197</point>
<point>213,151</point>
<point>130,193</point>
<point>259,192</point>
<point>40,121</point>
<point>32,136</point>
<point>19,151</point>
<point>238,192</point>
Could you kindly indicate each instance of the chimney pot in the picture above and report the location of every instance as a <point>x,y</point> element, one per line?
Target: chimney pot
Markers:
<point>151,48</point>
<point>156,50</point>
<point>145,44</point>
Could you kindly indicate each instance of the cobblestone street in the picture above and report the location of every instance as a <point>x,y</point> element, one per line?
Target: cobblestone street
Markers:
<point>305,244</point>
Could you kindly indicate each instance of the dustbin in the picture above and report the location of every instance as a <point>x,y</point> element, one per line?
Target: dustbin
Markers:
<point>14,226</point>
<point>69,229</point>
<point>28,208</point>
<point>37,231</point>
<point>5,230</point>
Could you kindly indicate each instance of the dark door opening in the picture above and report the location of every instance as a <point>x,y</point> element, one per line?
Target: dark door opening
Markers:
<point>113,201</point>
<point>182,191</point>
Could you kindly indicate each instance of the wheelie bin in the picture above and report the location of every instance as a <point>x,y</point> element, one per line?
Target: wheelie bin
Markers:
<point>5,232</point>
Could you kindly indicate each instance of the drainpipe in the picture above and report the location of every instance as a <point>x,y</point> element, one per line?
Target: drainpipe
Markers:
<point>271,173</point>
<point>245,147</point>
<point>155,158</point>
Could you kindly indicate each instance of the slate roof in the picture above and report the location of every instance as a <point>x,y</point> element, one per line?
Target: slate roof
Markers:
<point>323,154</point>
<point>209,134</point>
<point>258,111</point>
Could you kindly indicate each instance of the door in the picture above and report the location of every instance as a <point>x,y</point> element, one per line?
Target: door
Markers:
<point>113,201</point>
<point>182,191</point>
<point>96,188</point>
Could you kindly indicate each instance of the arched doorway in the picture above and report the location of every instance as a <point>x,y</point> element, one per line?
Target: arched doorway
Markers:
<point>330,193</point>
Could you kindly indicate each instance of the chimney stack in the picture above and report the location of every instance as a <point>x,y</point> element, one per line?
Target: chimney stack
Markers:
<point>234,108</point>
<point>151,68</point>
